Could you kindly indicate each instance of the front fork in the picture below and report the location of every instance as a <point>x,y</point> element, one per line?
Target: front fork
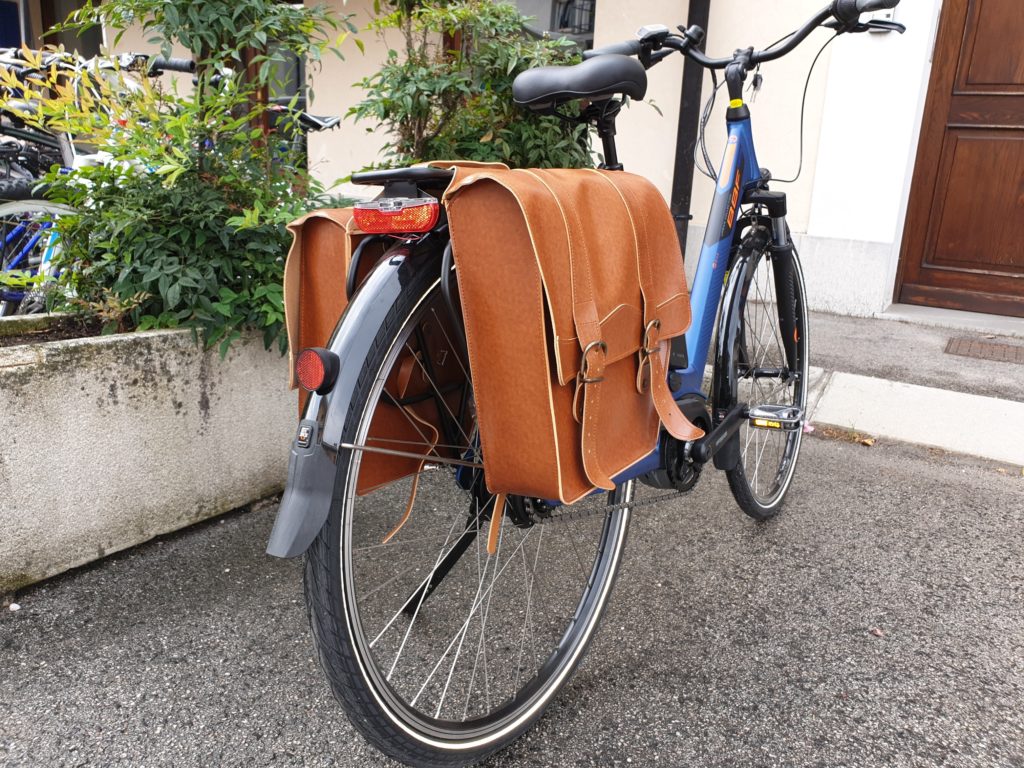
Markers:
<point>728,414</point>
<point>785,296</point>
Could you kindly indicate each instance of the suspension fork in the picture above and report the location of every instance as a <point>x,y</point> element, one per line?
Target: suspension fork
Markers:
<point>783,269</point>
<point>781,253</point>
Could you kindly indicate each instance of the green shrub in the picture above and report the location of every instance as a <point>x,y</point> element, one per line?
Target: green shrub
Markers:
<point>185,224</point>
<point>448,93</point>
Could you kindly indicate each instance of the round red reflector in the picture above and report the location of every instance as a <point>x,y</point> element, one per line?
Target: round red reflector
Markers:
<point>310,370</point>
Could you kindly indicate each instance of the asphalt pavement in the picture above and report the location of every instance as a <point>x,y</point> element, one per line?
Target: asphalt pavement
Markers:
<point>879,621</point>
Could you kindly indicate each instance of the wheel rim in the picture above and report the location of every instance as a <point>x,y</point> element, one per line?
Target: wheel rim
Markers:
<point>768,457</point>
<point>483,654</point>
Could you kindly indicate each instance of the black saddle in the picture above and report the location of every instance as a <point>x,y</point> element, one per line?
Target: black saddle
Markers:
<point>598,78</point>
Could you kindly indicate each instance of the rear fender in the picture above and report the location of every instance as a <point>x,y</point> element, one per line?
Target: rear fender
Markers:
<point>312,463</point>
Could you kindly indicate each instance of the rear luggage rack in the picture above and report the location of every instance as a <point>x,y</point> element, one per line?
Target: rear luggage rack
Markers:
<point>421,176</point>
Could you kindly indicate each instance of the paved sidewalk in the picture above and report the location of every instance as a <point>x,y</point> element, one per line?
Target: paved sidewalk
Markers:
<point>876,622</point>
<point>894,379</point>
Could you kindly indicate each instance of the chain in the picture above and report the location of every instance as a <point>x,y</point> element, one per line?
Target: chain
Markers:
<point>579,514</point>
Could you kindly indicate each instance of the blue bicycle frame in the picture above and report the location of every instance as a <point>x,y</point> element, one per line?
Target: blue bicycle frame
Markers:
<point>739,171</point>
<point>22,254</point>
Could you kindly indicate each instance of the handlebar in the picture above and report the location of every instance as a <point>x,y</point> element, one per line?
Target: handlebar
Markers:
<point>849,11</point>
<point>627,48</point>
<point>159,64</point>
<point>845,12</point>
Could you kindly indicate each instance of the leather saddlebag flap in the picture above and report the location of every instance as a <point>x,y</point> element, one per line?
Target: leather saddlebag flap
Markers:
<point>316,271</point>
<point>314,278</point>
<point>572,285</point>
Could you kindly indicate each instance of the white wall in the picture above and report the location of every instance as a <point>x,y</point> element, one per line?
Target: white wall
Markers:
<point>353,145</point>
<point>870,126</point>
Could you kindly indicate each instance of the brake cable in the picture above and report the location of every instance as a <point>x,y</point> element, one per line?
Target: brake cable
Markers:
<point>803,107</point>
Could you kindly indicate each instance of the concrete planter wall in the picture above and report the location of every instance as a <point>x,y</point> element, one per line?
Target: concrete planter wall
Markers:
<point>107,442</point>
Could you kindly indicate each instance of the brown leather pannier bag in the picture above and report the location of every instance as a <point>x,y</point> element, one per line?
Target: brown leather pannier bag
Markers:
<point>323,243</point>
<point>314,279</point>
<point>572,286</point>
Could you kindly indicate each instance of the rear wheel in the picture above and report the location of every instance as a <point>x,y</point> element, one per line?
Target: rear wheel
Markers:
<point>769,366</point>
<point>440,653</point>
<point>28,243</point>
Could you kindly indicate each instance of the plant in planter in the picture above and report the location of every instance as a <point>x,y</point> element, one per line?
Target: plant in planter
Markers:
<point>448,93</point>
<point>184,224</point>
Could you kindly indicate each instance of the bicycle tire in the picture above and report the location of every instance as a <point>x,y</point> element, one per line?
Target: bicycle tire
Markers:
<point>378,702</point>
<point>767,461</point>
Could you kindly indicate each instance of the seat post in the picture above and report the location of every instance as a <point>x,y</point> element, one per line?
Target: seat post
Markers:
<point>603,114</point>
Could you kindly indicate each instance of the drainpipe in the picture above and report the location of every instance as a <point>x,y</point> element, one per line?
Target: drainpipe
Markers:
<point>686,133</point>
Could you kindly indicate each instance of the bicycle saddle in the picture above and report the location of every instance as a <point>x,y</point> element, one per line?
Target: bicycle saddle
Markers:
<point>598,78</point>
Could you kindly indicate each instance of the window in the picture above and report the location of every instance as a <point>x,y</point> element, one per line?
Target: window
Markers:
<point>573,19</point>
<point>12,23</point>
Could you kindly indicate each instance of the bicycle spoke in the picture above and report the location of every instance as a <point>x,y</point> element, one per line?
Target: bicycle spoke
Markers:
<point>439,397</point>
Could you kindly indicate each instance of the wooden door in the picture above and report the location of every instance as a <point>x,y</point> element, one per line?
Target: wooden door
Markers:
<point>963,245</point>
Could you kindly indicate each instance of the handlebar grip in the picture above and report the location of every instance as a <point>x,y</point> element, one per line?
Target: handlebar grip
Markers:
<point>627,48</point>
<point>848,11</point>
<point>160,64</point>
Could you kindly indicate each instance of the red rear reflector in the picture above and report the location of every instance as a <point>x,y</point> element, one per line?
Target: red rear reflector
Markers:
<point>397,215</point>
<point>316,369</point>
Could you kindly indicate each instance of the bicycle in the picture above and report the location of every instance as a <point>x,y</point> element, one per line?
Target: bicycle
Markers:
<point>29,241</point>
<point>453,680</point>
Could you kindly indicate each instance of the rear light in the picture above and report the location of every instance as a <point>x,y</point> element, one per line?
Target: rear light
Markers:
<point>316,369</point>
<point>397,215</point>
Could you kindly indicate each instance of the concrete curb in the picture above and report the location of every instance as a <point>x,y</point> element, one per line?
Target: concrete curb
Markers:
<point>987,427</point>
<point>110,441</point>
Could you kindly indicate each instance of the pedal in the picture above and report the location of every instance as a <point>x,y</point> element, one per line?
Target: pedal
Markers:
<point>786,418</point>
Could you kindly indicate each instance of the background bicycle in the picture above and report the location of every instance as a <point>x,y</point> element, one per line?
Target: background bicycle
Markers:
<point>103,96</point>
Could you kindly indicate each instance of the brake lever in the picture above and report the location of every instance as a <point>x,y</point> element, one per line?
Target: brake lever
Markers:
<point>883,25</point>
<point>879,25</point>
<point>658,56</point>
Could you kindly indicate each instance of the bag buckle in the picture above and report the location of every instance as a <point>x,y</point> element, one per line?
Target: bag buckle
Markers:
<point>584,377</point>
<point>646,350</point>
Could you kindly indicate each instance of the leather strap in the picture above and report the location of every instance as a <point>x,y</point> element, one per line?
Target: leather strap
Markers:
<point>405,372</point>
<point>495,529</point>
<point>588,330</point>
<point>654,350</point>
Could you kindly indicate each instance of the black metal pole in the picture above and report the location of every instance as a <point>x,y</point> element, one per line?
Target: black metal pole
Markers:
<point>689,124</point>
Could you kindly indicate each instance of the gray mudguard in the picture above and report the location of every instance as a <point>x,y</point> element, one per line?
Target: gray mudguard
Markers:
<point>312,465</point>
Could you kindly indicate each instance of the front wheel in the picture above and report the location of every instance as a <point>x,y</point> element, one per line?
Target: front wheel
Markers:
<point>439,652</point>
<point>769,365</point>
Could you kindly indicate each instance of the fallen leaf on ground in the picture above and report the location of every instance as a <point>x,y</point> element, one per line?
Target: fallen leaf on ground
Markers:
<point>868,441</point>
